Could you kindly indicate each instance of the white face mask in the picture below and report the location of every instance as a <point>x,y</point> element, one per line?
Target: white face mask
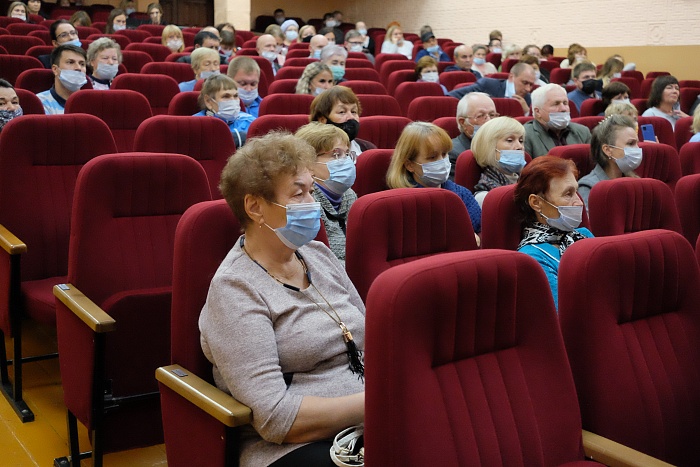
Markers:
<point>318,91</point>
<point>436,173</point>
<point>174,44</point>
<point>119,27</point>
<point>291,35</point>
<point>537,75</point>
<point>248,96</point>
<point>569,217</point>
<point>631,160</point>
<point>430,76</point>
<point>72,79</point>
<point>356,48</point>
<point>559,120</point>
<point>208,74</point>
<point>106,71</point>
<point>20,16</point>
<point>269,55</point>
<point>229,109</point>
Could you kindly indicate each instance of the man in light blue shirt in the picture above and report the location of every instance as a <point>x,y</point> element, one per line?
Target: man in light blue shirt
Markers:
<point>68,66</point>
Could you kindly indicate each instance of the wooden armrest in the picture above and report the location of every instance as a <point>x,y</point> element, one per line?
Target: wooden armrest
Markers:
<point>212,400</point>
<point>614,454</point>
<point>11,244</point>
<point>84,308</point>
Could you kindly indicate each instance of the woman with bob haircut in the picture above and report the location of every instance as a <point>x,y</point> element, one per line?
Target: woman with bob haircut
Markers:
<point>615,149</point>
<point>205,63</point>
<point>316,78</point>
<point>427,72</point>
<point>283,325</point>
<point>219,98</point>
<point>616,91</point>
<point>420,159</point>
<point>498,149</point>
<point>334,173</point>
<point>339,106</point>
<point>116,21</point>
<point>551,212</point>
<point>173,38</point>
<point>665,100</point>
<point>104,56</point>
<point>394,43</point>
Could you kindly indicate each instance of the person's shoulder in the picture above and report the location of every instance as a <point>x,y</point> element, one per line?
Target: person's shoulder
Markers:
<point>246,117</point>
<point>530,125</point>
<point>577,127</point>
<point>650,112</point>
<point>456,188</point>
<point>320,257</point>
<point>201,113</point>
<point>585,232</point>
<point>695,138</point>
<point>44,94</point>
<point>452,68</point>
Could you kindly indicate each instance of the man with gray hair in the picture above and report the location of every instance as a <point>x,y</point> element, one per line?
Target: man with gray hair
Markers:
<point>335,56</point>
<point>316,44</point>
<point>552,124</point>
<point>517,86</point>
<point>354,43</point>
<point>473,110</point>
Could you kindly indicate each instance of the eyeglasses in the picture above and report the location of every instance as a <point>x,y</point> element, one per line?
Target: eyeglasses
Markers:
<point>63,35</point>
<point>339,154</point>
<point>355,43</point>
<point>485,116</point>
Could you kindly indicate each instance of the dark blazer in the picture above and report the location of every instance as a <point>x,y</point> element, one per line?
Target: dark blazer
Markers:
<point>538,141</point>
<point>492,87</point>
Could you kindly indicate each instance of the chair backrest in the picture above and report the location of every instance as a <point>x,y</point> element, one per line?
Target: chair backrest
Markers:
<point>382,131</point>
<point>289,72</point>
<point>508,63</point>
<point>299,61</point>
<point>134,35</point>
<point>266,123</point>
<point>398,77</point>
<point>30,103</point>
<point>683,131</point>
<point>590,122</point>
<point>364,74</point>
<point>689,83</point>
<point>134,60</point>
<point>266,67</point>
<point>123,41</point>
<point>467,171</point>
<point>40,172</point>
<point>640,104</point>
<point>178,71</point>
<point>207,140</point>
<point>449,124</point>
<point>18,45</point>
<point>688,98</point>
<point>560,76</point>
<point>633,84</point>
<point>656,74</point>
<point>284,104</point>
<point>636,74</point>
<point>398,226</point>
<point>639,294</point>
<point>282,86</point>
<point>35,80</point>
<point>661,162</point>
<point>645,87</point>
<point>508,107</point>
<point>379,104</point>
<point>690,158</point>
<point>494,58</point>
<point>487,372</point>
<point>450,79</point>
<point>357,62</point>
<point>13,65</point>
<point>297,53</point>
<point>39,50</point>
<point>84,32</point>
<point>428,108</point>
<point>579,153</point>
<point>23,29</point>
<point>628,205</point>
<point>662,129</point>
<point>365,87</point>
<point>371,168</point>
<point>389,66</point>
<point>158,52</point>
<point>380,58</point>
<point>121,109</point>
<point>185,104</point>
<point>591,107</point>
<point>159,89</point>
<point>152,29</point>
<point>687,196</point>
<point>42,34</point>
<point>406,92</point>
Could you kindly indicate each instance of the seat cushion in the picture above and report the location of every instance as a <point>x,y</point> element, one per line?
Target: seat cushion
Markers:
<point>38,299</point>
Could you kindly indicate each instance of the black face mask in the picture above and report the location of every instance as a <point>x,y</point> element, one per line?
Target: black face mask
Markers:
<point>350,127</point>
<point>589,86</point>
<point>307,39</point>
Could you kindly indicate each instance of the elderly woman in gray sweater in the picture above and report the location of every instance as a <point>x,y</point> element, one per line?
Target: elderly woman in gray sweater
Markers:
<point>283,324</point>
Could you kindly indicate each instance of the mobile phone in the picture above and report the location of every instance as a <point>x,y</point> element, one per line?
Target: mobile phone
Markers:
<point>648,133</point>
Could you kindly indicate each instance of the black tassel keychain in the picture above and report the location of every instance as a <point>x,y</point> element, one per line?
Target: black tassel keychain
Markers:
<point>354,354</point>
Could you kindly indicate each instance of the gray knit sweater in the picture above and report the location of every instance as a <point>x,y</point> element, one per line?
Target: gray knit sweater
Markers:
<point>332,219</point>
<point>254,330</point>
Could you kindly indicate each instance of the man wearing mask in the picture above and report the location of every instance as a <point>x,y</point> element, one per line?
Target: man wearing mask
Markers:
<point>463,58</point>
<point>552,124</point>
<point>517,86</point>
<point>207,40</point>
<point>266,45</point>
<point>316,44</point>
<point>431,48</point>
<point>353,43</point>
<point>473,110</point>
<point>280,16</point>
<point>69,76</point>
<point>246,73</point>
<point>586,84</point>
<point>62,32</point>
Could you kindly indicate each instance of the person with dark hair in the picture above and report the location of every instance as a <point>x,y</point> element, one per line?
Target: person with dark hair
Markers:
<point>534,62</point>
<point>203,39</point>
<point>615,91</point>
<point>584,76</point>
<point>551,211</point>
<point>68,66</point>
<point>61,32</point>
<point>80,18</point>
<point>116,21</point>
<point>34,8</point>
<point>155,13</point>
<point>547,51</point>
<point>334,35</point>
<point>9,103</point>
<point>279,16</point>
<point>665,100</point>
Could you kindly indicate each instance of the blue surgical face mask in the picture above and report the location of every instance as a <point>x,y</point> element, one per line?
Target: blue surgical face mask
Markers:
<point>316,54</point>
<point>512,161</point>
<point>72,79</point>
<point>338,72</point>
<point>362,32</point>
<point>435,173</point>
<point>129,11</point>
<point>229,109</point>
<point>510,88</point>
<point>75,42</point>
<point>631,160</point>
<point>479,61</point>
<point>119,27</point>
<point>433,49</point>
<point>248,96</point>
<point>569,217</point>
<point>341,175</point>
<point>208,74</point>
<point>303,224</point>
<point>106,71</point>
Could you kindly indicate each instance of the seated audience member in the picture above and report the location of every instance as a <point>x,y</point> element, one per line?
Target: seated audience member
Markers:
<point>205,63</point>
<point>620,107</point>
<point>316,78</point>
<point>246,73</point>
<point>615,149</point>
<point>695,127</point>
<point>219,98</point>
<point>534,51</point>
<point>221,27</point>
<point>353,43</point>
<point>463,58</point>
<point>19,10</point>
<point>212,30</point>
<point>664,100</point>
<point>203,39</point>
<point>495,46</point>
<point>480,65</point>
<point>551,212</point>
<point>517,86</point>
<point>283,324</point>
<point>279,15</point>
<point>512,52</point>
<point>495,34</point>
<point>334,174</point>
<point>80,19</point>
<point>394,43</point>
<point>266,45</point>
<point>420,160</point>
<point>61,32</point>
<point>129,7</point>
<point>173,39</point>
<point>339,106</point>
<point>316,45</point>
<point>307,32</point>
<point>576,54</point>
<point>612,68</point>
<point>431,48</point>
<point>552,125</point>
<point>334,35</point>
<point>586,84</point>
<point>535,64</point>
<point>69,65</point>
<point>227,46</point>
<point>290,29</point>
<point>104,56</point>
<point>9,103</point>
<point>547,51</point>
<point>335,57</point>
<point>427,72</point>
<point>155,13</point>
<point>367,41</point>
<point>338,17</point>
<point>473,111</point>
<point>616,91</point>
<point>425,28</point>
<point>116,21</point>
<point>34,8</point>
<point>498,149</point>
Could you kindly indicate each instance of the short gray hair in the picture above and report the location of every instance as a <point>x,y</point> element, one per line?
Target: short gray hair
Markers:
<point>333,49</point>
<point>463,105</point>
<point>352,33</point>
<point>539,95</point>
<point>103,43</point>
